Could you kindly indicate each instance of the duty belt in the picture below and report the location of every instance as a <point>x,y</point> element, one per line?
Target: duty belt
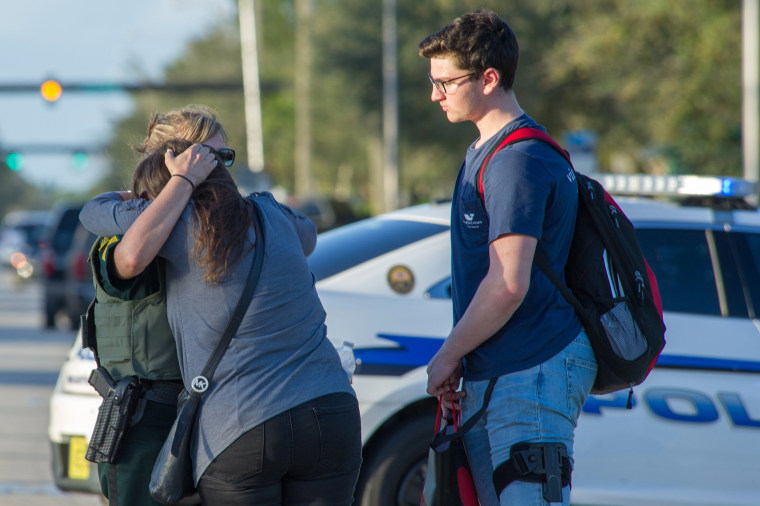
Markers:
<point>165,392</point>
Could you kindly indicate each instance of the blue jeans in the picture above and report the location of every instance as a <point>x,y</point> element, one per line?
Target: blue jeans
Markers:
<point>309,454</point>
<point>540,404</point>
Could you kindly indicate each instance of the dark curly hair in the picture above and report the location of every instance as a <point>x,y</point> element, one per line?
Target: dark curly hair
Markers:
<point>477,41</point>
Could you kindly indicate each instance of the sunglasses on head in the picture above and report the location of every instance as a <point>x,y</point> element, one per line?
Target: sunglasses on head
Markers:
<point>227,155</point>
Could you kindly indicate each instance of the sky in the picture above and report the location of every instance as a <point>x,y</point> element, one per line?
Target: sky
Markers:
<point>86,41</point>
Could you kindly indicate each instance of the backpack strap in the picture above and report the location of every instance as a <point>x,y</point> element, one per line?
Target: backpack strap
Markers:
<point>540,259</point>
<point>519,135</point>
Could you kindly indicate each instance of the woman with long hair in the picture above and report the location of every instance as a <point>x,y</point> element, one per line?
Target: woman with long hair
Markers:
<point>143,346</point>
<point>279,423</point>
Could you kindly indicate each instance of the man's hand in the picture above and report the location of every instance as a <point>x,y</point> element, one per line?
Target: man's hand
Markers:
<point>443,370</point>
<point>451,400</point>
<point>195,163</point>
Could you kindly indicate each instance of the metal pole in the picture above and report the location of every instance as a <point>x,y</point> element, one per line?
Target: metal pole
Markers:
<point>390,107</point>
<point>750,89</point>
<point>303,177</point>
<point>251,92</point>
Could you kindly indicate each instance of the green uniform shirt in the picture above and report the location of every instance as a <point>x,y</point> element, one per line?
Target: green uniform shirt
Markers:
<point>135,288</point>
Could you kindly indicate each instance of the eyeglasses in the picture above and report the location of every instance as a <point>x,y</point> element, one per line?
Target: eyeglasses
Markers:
<point>227,155</point>
<point>441,85</point>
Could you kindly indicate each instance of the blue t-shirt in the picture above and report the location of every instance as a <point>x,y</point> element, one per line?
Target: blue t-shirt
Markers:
<point>530,189</point>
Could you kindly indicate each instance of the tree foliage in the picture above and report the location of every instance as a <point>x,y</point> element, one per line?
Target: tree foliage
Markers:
<point>659,82</point>
<point>18,194</point>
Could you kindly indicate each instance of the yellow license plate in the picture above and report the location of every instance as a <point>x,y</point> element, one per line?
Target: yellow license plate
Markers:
<point>79,468</point>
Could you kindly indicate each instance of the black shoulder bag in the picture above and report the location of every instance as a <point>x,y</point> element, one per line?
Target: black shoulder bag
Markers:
<point>171,481</point>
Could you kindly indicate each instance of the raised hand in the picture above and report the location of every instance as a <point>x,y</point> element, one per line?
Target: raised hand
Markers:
<point>194,164</point>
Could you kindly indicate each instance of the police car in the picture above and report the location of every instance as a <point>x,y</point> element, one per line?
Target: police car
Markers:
<point>693,433</point>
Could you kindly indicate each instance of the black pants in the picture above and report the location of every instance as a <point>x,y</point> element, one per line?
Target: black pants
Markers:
<point>310,454</point>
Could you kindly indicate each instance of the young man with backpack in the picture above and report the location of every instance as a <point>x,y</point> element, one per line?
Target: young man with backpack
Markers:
<point>511,323</point>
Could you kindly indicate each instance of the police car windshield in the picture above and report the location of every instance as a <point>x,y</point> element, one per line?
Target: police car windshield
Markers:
<point>350,245</point>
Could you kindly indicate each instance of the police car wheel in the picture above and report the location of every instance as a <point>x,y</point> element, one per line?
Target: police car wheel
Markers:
<point>393,474</point>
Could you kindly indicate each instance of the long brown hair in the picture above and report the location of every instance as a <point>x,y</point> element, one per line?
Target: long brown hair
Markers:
<point>221,215</point>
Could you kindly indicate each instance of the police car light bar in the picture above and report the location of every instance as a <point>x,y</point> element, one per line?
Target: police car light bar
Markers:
<point>676,186</point>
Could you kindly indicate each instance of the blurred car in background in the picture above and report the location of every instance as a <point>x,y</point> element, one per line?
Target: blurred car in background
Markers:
<point>78,273</point>
<point>326,213</point>
<point>55,242</point>
<point>73,411</point>
<point>692,435</point>
<point>20,241</point>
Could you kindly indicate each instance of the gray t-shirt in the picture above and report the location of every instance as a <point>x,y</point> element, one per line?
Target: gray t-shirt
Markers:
<point>280,356</point>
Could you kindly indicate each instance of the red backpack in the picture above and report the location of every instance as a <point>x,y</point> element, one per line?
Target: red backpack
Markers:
<point>607,281</point>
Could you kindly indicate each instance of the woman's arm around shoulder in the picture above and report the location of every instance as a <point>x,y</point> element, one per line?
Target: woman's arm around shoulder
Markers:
<point>111,213</point>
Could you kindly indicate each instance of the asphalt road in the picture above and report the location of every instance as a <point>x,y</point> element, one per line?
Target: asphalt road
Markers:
<point>30,358</point>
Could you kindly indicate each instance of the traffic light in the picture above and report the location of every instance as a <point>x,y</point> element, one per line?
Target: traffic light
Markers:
<point>51,90</point>
<point>14,161</point>
<point>79,160</point>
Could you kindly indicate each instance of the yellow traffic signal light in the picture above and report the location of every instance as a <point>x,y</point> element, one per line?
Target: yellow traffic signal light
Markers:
<point>51,90</point>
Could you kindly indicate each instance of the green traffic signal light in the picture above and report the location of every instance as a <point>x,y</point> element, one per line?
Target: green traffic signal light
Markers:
<point>79,160</point>
<point>14,161</point>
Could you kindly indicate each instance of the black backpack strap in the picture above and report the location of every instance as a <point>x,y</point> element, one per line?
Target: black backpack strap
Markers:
<point>541,259</point>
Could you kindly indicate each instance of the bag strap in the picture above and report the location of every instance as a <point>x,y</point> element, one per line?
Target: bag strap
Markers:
<point>542,262</point>
<point>455,415</point>
<point>242,305</point>
<point>441,438</point>
<point>200,383</point>
<point>519,135</point>
<point>540,258</point>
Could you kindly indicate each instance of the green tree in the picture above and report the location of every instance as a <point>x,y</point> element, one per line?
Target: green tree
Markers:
<point>18,194</point>
<point>658,81</point>
<point>216,57</point>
